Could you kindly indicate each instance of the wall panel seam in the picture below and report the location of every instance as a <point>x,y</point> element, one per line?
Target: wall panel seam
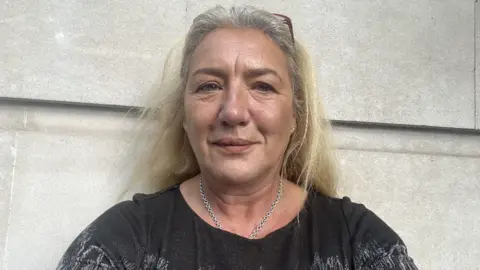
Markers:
<point>10,203</point>
<point>475,126</point>
<point>406,152</point>
<point>133,111</point>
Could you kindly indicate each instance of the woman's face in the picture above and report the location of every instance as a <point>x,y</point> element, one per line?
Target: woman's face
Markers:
<point>238,105</point>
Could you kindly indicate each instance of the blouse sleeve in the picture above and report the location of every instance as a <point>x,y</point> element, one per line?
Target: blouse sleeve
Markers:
<point>375,245</point>
<point>113,241</point>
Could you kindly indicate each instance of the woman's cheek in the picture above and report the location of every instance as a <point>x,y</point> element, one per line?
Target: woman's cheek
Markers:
<point>275,120</point>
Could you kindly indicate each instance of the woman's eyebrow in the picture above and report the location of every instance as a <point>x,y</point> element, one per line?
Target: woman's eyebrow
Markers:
<point>250,73</point>
<point>217,72</point>
<point>257,72</point>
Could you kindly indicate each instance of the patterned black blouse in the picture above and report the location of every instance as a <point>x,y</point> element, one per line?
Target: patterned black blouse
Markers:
<point>160,231</point>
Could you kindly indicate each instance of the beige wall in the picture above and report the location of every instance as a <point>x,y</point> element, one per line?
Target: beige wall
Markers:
<point>397,76</point>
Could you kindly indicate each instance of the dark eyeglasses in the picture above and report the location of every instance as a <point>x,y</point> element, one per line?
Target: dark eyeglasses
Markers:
<point>288,22</point>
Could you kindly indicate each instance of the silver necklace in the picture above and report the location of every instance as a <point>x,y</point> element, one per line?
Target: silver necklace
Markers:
<point>260,225</point>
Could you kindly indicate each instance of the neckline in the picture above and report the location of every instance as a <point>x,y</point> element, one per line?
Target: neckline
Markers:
<point>280,231</point>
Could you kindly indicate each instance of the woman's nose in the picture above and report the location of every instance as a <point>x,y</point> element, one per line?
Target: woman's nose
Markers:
<point>235,106</point>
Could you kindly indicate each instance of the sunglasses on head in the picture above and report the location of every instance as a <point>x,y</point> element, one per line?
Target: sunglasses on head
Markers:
<point>288,22</point>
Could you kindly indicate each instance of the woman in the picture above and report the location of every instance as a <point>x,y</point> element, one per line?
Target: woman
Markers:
<point>242,154</point>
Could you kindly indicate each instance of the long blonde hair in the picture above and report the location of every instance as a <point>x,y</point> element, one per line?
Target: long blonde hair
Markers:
<point>165,156</point>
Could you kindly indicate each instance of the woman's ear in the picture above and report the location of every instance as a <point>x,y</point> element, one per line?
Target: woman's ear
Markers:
<point>294,126</point>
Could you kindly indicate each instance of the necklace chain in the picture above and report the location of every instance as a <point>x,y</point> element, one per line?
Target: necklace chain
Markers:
<point>262,222</point>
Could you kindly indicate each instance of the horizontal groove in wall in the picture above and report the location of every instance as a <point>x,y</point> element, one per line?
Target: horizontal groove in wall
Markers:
<point>406,152</point>
<point>19,102</point>
<point>78,120</point>
<point>391,126</point>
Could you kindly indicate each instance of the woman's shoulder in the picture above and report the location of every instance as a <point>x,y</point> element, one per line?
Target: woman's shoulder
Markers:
<point>123,225</point>
<point>142,205</point>
<point>374,244</point>
<point>155,200</point>
<point>341,207</point>
<point>358,219</point>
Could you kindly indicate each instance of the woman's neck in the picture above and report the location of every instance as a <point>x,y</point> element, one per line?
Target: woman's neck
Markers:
<point>240,209</point>
<point>245,205</point>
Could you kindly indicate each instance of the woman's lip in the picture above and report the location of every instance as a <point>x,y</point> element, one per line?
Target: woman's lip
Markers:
<point>234,148</point>
<point>232,141</point>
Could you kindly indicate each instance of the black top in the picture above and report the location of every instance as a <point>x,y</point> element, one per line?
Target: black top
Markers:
<point>160,231</point>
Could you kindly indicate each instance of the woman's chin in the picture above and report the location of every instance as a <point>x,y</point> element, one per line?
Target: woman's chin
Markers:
<point>234,175</point>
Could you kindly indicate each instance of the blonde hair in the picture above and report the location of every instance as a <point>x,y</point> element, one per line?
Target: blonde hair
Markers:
<point>166,157</point>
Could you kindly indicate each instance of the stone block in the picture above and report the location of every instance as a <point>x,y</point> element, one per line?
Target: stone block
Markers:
<point>402,140</point>
<point>68,172</point>
<point>429,200</point>
<point>86,52</point>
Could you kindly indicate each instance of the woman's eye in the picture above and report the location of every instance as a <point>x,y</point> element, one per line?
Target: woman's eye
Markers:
<point>208,87</point>
<point>264,87</point>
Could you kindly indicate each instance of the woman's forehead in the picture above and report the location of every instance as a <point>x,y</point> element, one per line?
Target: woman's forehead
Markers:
<point>238,48</point>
